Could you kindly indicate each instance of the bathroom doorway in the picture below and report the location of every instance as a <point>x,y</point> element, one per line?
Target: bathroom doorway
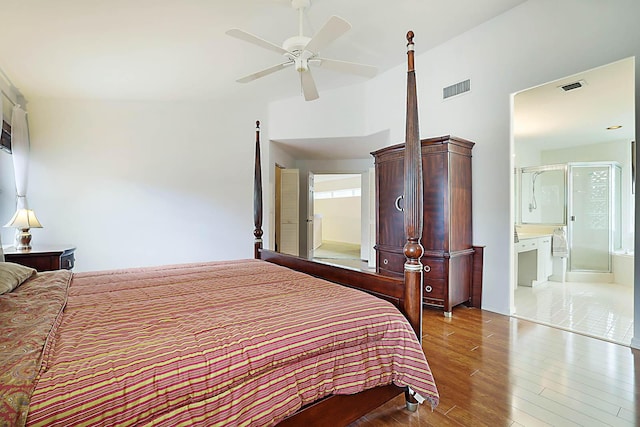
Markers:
<point>578,120</point>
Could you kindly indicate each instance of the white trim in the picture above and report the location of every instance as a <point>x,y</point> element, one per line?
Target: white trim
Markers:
<point>11,92</point>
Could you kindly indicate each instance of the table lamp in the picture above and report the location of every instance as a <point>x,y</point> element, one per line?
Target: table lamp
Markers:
<point>22,221</point>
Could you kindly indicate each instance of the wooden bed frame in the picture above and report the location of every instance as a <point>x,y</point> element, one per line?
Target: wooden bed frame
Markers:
<point>405,294</point>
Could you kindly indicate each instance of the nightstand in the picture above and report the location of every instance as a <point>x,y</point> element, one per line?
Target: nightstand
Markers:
<point>43,257</point>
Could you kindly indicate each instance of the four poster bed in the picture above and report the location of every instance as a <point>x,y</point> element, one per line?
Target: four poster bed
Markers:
<point>275,339</point>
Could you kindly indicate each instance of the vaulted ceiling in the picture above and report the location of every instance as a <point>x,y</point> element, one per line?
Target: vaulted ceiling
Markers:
<point>178,49</point>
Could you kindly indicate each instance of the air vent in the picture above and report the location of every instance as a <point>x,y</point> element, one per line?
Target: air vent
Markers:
<point>573,86</point>
<point>456,89</point>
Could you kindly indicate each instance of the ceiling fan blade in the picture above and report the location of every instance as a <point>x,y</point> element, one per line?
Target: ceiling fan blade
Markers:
<point>347,67</point>
<point>265,72</point>
<point>308,86</point>
<point>331,30</point>
<point>248,37</point>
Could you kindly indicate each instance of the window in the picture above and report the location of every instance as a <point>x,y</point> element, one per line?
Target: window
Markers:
<point>337,194</point>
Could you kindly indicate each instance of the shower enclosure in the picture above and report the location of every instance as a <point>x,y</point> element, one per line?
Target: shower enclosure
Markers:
<point>586,198</point>
<point>594,215</point>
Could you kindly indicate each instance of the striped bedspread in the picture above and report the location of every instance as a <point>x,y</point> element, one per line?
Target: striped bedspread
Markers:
<point>227,343</point>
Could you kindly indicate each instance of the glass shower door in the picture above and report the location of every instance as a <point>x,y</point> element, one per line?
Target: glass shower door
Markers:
<point>590,218</point>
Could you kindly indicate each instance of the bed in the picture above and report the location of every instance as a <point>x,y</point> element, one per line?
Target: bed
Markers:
<point>271,340</point>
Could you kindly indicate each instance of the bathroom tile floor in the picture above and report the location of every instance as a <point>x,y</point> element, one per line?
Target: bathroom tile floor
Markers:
<point>600,310</point>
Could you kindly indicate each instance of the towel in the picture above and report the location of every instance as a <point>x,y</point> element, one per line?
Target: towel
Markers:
<point>559,245</point>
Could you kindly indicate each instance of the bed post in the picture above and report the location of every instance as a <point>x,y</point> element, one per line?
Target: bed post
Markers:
<point>257,197</point>
<point>413,201</point>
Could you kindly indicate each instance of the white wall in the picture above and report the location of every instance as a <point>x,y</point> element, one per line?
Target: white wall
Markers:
<point>340,219</point>
<point>536,42</point>
<point>143,183</point>
<point>341,216</point>
<point>329,116</point>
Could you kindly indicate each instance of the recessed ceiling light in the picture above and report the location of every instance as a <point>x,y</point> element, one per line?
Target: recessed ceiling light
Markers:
<point>614,127</point>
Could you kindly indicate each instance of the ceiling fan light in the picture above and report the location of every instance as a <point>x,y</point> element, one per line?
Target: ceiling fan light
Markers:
<point>300,4</point>
<point>302,65</point>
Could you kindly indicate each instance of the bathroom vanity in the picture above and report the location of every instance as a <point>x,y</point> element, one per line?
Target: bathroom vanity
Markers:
<point>533,259</point>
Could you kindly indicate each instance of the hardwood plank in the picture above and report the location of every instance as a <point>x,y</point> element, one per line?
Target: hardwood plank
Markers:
<point>523,418</point>
<point>541,413</point>
<point>607,415</point>
<point>570,387</point>
<point>626,415</point>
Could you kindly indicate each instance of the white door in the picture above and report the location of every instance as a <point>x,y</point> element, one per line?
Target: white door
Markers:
<point>310,223</point>
<point>289,202</point>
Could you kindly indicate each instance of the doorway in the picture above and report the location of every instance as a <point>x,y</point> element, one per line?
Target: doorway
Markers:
<point>586,118</point>
<point>336,211</point>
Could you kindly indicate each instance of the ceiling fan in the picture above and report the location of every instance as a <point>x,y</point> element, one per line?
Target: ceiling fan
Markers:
<point>302,52</point>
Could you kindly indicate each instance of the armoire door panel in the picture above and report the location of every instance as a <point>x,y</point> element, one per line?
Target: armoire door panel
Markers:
<point>433,230</point>
<point>460,236</point>
<point>390,219</point>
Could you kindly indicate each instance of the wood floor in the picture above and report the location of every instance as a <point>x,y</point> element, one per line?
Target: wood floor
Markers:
<point>494,370</point>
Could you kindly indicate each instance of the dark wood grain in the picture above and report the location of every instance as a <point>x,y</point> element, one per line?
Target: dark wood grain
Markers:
<point>257,196</point>
<point>389,218</point>
<point>476,278</point>
<point>43,257</point>
<point>413,216</point>
<point>389,288</point>
<point>341,410</point>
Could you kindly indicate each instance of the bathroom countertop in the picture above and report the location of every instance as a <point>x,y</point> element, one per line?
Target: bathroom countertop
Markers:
<point>522,236</point>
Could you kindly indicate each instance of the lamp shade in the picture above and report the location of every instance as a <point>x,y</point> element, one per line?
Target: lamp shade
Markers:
<point>24,218</point>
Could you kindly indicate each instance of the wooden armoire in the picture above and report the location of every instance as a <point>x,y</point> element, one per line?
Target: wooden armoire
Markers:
<point>452,272</point>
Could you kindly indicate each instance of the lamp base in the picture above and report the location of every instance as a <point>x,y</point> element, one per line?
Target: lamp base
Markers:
<point>23,239</point>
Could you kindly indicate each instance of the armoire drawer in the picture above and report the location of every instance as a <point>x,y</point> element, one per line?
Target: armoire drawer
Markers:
<point>433,268</point>
<point>391,261</point>
<point>433,288</point>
